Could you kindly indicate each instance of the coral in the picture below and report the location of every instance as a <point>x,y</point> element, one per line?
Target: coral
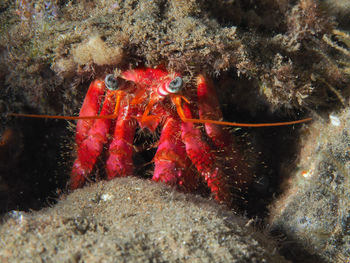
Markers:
<point>314,211</point>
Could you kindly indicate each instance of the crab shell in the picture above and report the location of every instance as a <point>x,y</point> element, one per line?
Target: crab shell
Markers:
<point>147,102</point>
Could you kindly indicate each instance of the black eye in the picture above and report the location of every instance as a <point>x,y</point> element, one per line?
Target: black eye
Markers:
<point>110,82</point>
<point>175,85</point>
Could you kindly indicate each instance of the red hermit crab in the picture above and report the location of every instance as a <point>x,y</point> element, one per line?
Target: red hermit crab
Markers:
<point>151,98</point>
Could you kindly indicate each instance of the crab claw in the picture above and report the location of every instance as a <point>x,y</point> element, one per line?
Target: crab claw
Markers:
<point>90,107</point>
<point>205,160</point>
<point>91,133</point>
<point>232,156</point>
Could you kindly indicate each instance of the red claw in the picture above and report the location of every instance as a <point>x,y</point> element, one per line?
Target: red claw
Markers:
<point>90,107</point>
<point>92,133</point>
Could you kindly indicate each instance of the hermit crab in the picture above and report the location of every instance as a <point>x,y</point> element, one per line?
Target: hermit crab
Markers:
<point>193,141</point>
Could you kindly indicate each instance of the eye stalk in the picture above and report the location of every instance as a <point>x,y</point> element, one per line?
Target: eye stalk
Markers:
<point>175,85</point>
<point>111,82</point>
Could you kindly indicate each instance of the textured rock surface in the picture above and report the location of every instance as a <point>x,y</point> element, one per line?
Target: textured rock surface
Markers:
<point>132,220</point>
<point>278,44</point>
<point>314,212</point>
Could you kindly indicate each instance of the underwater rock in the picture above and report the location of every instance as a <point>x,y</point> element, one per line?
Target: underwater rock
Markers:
<point>133,220</point>
<point>314,212</point>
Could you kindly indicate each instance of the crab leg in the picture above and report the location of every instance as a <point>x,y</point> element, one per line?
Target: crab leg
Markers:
<point>92,144</point>
<point>90,107</point>
<point>204,159</point>
<point>170,163</point>
<point>209,108</point>
<point>119,162</point>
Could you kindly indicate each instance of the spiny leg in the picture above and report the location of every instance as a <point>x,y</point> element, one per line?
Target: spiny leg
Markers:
<point>170,161</point>
<point>92,145</point>
<point>204,160</point>
<point>232,156</point>
<point>209,108</point>
<point>119,162</point>
<point>90,107</point>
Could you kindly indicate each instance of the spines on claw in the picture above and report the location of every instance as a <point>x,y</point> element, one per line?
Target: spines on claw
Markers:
<point>205,160</point>
<point>231,155</point>
<point>93,133</point>
<point>209,108</point>
<point>90,107</point>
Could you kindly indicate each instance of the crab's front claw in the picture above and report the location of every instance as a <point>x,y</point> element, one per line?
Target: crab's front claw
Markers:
<point>92,133</point>
<point>229,150</point>
<point>205,160</point>
<point>90,107</point>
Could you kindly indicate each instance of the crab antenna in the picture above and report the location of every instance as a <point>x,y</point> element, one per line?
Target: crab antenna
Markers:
<point>177,101</point>
<point>119,95</point>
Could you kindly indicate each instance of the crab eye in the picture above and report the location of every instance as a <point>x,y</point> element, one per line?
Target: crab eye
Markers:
<point>110,82</point>
<point>175,85</point>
